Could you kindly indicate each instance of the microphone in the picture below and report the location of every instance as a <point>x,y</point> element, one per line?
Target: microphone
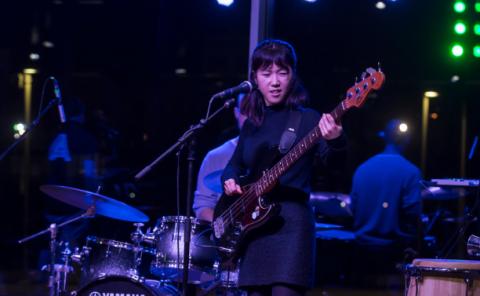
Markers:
<point>244,87</point>
<point>58,96</point>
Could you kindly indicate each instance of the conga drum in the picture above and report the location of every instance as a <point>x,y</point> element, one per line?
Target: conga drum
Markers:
<point>443,277</point>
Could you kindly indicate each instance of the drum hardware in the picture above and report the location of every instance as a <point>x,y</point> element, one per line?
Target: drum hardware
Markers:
<point>447,189</point>
<point>169,258</point>
<point>473,245</point>
<point>92,203</point>
<point>55,284</point>
<point>61,272</point>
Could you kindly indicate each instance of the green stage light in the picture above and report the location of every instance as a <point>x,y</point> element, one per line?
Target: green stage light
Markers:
<point>476,51</point>
<point>477,7</point>
<point>460,28</point>
<point>476,29</point>
<point>457,50</point>
<point>459,6</point>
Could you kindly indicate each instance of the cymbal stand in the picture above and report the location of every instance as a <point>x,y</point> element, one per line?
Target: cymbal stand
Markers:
<point>137,238</point>
<point>54,282</point>
<point>469,218</point>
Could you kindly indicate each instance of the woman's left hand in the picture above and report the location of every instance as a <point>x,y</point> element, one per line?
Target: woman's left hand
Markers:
<point>329,128</point>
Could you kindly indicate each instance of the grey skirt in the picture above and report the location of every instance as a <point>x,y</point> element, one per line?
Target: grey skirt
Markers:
<point>282,251</point>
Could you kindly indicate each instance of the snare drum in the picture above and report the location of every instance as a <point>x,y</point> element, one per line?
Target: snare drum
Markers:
<point>443,277</point>
<point>121,285</point>
<point>104,257</point>
<point>168,262</point>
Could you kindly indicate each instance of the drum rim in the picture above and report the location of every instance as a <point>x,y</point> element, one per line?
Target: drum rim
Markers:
<point>142,282</point>
<point>176,272</point>
<point>135,280</point>
<point>174,265</point>
<point>113,243</point>
<point>181,219</point>
<point>415,270</point>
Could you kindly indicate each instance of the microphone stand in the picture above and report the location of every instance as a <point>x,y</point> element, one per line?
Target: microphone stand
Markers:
<point>187,136</point>
<point>29,129</point>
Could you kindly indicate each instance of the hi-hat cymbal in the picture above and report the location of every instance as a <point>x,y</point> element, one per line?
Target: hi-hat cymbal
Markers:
<point>443,193</point>
<point>324,196</point>
<point>104,206</point>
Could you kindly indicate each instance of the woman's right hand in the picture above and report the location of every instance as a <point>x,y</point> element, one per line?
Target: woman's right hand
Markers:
<point>231,187</point>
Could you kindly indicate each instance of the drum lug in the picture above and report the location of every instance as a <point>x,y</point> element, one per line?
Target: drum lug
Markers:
<point>468,281</point>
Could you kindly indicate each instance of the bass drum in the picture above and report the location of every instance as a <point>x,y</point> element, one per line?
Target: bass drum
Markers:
<point>121,285</point>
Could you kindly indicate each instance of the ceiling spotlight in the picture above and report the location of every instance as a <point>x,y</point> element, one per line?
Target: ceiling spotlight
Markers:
<point>30,71</point>
<point>455,78</point>
<point>380,5</point>
<point>48,44</point>
<point>431,94</point>
<point>180,71</point>
<point>225,2</point>
<point>311,1</point>
<point>403,127</point>
<point>34,56</point>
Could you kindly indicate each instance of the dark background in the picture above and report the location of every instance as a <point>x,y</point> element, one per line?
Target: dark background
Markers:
<point>119,57</point>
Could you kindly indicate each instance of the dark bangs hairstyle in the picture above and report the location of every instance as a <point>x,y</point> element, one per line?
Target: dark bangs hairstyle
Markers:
<point>267,53</point>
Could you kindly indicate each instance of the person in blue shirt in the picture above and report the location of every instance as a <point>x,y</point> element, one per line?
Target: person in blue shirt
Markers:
<point>386,199</point>
<point>209,187</point>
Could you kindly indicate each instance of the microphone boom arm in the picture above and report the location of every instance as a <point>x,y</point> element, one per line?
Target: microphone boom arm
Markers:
<point>29,128</point>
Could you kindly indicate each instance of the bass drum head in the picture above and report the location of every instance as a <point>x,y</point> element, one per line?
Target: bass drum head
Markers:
<point>120,285</point>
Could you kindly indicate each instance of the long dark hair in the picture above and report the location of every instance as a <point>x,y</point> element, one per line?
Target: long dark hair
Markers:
<point>281,53</point>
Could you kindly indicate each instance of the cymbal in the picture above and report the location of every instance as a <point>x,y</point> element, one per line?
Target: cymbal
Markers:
<point>324,226</point>
<point>213,181</point>
<point>324,196</point>
<point>443,193</point>
<point>104,206</point>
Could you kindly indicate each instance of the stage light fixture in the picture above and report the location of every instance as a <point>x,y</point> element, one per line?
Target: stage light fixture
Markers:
<point>225,2</point>
<point>476,51</point>
<point>454,78</point>
<point>30,71</point>
<point>459,6</point>
<point>457,50</point>
<point>431,94</point>
<point>380,5</point>
<point>460,28</point>
<point>476,29</point>
<point>34,56</point>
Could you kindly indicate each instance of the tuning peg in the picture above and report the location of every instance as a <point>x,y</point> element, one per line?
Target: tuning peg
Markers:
<point>379,68</point>
<point>364,74</point>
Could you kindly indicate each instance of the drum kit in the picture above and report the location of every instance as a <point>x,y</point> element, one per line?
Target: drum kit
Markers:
<point>151,264</point>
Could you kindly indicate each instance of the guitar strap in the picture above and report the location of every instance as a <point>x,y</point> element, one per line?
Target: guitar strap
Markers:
<point>290,134</point>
